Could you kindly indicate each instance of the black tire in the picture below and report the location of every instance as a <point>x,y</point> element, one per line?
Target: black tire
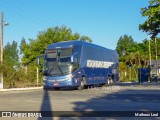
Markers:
<point>56,88</point>
<point>111,82</point>
<point>45,89</point>
<point>81,87</point>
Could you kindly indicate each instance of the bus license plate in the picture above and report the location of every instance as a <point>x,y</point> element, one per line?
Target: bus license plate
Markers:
<point>56,84</point>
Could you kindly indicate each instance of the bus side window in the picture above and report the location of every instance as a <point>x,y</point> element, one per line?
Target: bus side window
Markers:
<point>75,63</point>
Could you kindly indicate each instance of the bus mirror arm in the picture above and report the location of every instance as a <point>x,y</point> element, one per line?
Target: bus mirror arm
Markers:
<point>38,59</point>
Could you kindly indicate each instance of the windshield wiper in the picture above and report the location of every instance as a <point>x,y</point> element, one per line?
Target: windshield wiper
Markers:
<point>60,68</point>
<point>51,69</point>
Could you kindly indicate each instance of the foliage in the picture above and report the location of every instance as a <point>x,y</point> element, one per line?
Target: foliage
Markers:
<point>134,55</point>
<point>16,75</point>
<point>152,12</point>
<point>52,35</point>
<point>20,76</point>
<point>11,54</point>
<point>124,46</point>
<point>10,64</point>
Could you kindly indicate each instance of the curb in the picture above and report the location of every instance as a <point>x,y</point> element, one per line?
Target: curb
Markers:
<point>150,83</point>
<point>128,82</point>
<point>19,89</point>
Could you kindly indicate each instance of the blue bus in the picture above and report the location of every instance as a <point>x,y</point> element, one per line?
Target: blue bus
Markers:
<point>78,64</point>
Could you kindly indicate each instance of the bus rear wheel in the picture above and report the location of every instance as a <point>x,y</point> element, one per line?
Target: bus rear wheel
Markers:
<point>82,85</point>
<point>109,82</point>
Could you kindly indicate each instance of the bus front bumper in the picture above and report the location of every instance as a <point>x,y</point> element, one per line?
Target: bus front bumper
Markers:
<point>53,82</point>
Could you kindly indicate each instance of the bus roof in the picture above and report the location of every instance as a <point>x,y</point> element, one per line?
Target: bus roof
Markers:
<point>66,44</point>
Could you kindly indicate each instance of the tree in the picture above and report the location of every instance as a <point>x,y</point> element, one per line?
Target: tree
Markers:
<point>152,12</point>
<point>52,35</point>
<point>11,54</point>
<point>86,38</point>
<point>11,64</point>
<point>132,56</point>
<point>124,46</point>
<point>22,45</point>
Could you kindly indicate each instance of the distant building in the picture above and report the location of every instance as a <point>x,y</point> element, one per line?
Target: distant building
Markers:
<point>153,66</point>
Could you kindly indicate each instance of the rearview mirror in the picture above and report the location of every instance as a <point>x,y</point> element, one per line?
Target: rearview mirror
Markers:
<point>45,73</point>
<point>38,59</point>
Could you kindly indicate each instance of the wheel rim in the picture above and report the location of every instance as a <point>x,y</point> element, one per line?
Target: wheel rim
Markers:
<point>82,84</point>
<point>108,82</point>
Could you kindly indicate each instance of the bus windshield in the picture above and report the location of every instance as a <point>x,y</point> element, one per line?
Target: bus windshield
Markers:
<point>58,62</point>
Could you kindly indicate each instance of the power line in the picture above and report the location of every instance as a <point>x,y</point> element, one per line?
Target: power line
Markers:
<point>23,9</point>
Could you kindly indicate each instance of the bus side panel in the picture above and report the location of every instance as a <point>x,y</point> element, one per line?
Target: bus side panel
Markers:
<point>97,75</point>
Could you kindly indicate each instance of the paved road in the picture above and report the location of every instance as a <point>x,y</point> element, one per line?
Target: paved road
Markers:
<point>122,97</point>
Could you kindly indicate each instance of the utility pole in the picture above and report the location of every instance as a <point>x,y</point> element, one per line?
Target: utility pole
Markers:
<point>37,76</point>
<point>1,46</point>
<point>1,76</point>
<point>157,66</point>
<point>149,46</point>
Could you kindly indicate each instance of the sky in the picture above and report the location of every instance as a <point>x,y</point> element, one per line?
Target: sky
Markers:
<point>104,21</point>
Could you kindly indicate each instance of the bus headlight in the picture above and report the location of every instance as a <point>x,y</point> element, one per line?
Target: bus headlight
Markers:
<point>70,68</point>
<point>45,78</point>
<point>69,77</point>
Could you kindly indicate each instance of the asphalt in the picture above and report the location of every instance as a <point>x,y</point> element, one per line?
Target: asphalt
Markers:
<point>118,83</point>
<point>120,97</point>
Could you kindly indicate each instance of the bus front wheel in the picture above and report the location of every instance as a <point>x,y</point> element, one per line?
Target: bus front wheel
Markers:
<point>56,88</point>
<point>81,87</point>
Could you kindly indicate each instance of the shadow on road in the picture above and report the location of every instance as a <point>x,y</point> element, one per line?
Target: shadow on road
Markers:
<point>104,104</point>
<point>109,102</point>
<point>123,103</point>
<point>46,107</point>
